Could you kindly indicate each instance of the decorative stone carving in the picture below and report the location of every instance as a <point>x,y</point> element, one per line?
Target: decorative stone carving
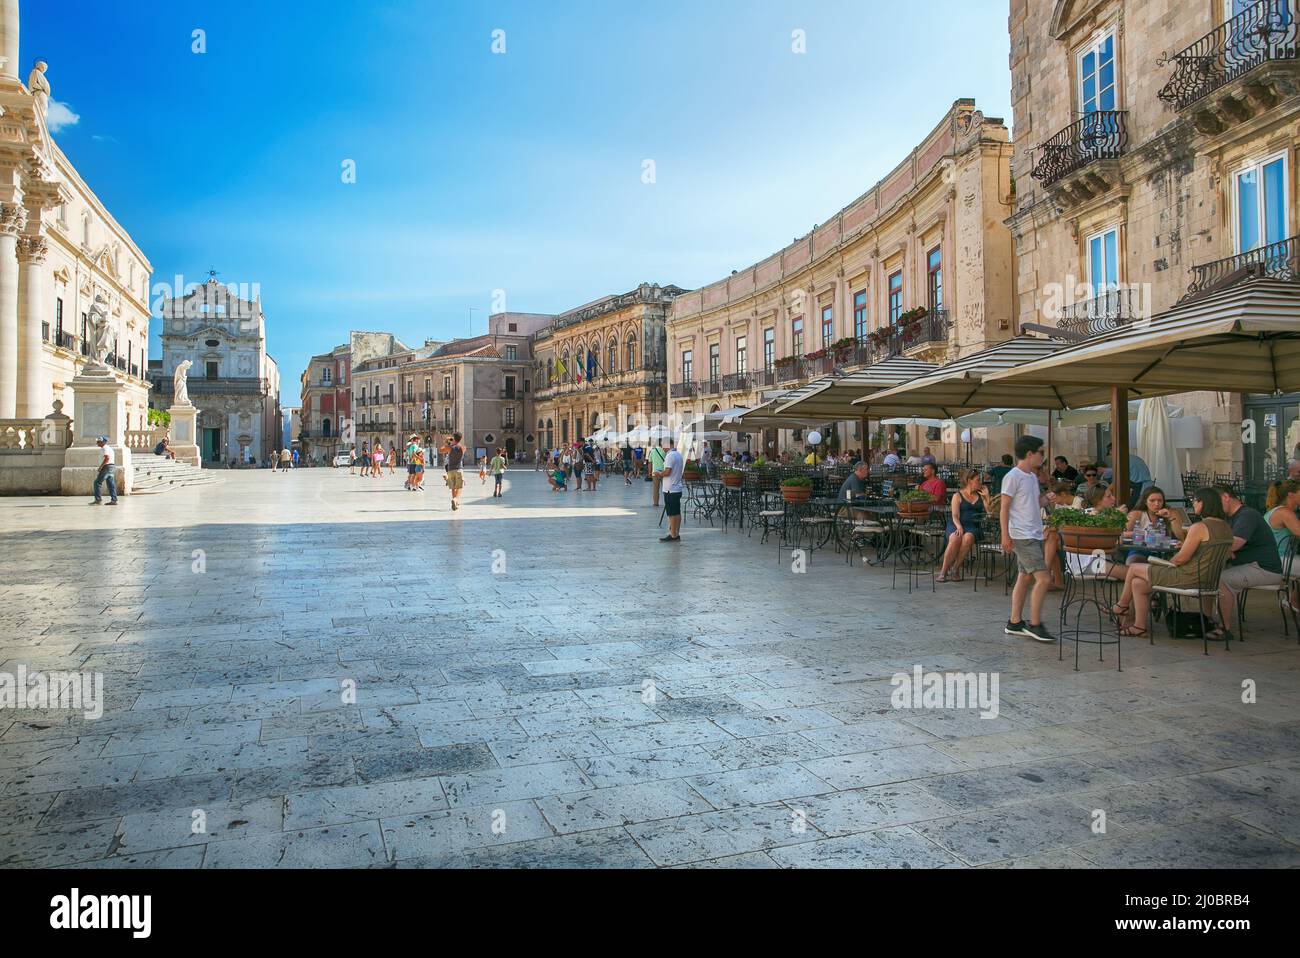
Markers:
<point>13,219</point>
<point>32,249</point>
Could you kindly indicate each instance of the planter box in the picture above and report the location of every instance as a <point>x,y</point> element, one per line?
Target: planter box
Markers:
<point>689,476</point>
<point>914,509</point>
<point>733,482</point>
<point>1085,540</point>
<point>796,493</point>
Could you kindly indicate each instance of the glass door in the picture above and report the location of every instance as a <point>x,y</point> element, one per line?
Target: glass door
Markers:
<point>1273,423</point>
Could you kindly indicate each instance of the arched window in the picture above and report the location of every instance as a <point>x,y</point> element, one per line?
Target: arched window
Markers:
<point>633,361</point>
<point>613,356</point>
<point>325,427</point>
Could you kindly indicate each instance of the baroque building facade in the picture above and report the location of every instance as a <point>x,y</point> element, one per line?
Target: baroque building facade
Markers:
<point>232,379</point>
<point>920,265</point>
<point>1159,142</point>
<point>60,250</point>
<point>603,364</point>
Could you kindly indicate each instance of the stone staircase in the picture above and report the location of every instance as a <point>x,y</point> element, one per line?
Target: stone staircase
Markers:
<point>158,474</point>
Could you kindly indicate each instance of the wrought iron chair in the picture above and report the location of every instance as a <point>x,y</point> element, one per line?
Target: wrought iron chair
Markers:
<point>1210,562</point>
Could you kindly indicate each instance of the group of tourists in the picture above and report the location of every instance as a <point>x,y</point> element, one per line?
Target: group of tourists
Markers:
<point>421,455</point>
<point>1222,533</point>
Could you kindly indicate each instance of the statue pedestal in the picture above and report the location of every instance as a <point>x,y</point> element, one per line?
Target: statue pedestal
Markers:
<point>99,409</point>
<point>184,434</point>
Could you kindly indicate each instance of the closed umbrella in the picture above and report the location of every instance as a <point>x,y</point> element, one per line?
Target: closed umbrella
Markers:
<point>1155,444</point>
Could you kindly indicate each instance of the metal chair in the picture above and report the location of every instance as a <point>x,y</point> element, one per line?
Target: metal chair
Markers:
<point>1290,574</point>
<point>1210,562</point>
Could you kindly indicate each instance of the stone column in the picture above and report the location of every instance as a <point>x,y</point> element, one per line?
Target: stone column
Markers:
<point>13,218</point>
<point>184,434</point>
<point>31,258</point>
<point>9,38</point>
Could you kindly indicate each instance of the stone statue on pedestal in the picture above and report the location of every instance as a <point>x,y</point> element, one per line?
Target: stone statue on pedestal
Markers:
<point>180,390</point>
<point>99,325</point>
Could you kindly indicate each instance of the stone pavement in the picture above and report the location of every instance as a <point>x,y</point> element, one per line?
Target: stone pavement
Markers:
<point>601,700</point>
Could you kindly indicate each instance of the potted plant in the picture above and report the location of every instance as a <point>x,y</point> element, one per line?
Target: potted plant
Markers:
<point>733,478</point>
<point>691,471</point>
<point>914,502</point>
<point>1083,533</point>
<point>796,489</point>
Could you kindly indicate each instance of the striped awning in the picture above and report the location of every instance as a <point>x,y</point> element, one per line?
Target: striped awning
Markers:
<point>1244,339</point>
<point>959,388</point>
<point>831,398</point>
<point>764,416</point>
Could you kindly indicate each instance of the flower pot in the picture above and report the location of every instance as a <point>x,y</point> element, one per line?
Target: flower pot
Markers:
<point>1085,540</point>
<point>733,482</point>
<point>796,493</point>
<point>914,509</point>
<point>692,476</point>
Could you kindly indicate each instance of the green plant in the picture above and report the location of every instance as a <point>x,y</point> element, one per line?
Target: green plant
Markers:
<point>691,465</point>
<point>159,417</point>
<point>797,482</point>
<point>732,472</point>
<point>1111,520</point>
<point>914,495</point>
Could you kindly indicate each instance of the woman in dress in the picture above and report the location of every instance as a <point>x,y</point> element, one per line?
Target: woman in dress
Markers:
<point>968,507</point>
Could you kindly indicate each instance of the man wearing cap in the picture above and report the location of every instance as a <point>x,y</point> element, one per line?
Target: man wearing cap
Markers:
<point>105,473</point>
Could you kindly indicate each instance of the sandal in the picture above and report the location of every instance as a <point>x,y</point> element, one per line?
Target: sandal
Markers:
<point>1132,632</point>
<point>943,577</point>
<point>1119,610</point>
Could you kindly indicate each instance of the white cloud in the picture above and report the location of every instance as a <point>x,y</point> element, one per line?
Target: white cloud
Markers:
<point>60,115</point>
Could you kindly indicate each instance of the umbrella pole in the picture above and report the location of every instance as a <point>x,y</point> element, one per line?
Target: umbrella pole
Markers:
<point>1119,441</point>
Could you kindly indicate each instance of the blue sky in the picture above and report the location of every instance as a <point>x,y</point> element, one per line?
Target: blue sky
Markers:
<point>478,171</point>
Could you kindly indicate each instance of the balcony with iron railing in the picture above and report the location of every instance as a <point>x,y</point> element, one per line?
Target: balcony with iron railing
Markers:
<point>685,389</point>
<point>1241,67</point>
<point>1111,310</point>
<point>737,382</point>
<point>45,332</point>
<point>65,340</point>
<point>1279,260</point>
<point>1071,159</point>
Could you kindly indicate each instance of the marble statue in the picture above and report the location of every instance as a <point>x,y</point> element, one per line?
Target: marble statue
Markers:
<point>39,86</point>
<point>99,325</point>
<point>180,391</point>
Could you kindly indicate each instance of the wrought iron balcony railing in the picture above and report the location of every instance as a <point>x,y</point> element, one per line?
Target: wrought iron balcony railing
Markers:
<point>1113,309</point>
<point>45,332</point>
<point>1100,135</point>
<point>1267,31</point>
<point>1277,261</point>
<point>711,387</point>
<point>684,389</point>
<point>736,382</point>
<point>66,340</point>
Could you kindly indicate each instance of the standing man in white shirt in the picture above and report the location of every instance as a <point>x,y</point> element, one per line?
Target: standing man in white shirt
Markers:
<point>105,473</point>
<point>1021,518</point>
<point>670,476</point>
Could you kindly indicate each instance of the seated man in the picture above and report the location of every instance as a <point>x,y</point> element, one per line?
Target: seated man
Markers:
<point>856,483</point>
<point>931,483</point>
<point>163,449</point>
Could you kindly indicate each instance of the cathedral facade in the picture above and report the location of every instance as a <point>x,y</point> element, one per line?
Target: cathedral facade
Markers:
<point>232,381</point>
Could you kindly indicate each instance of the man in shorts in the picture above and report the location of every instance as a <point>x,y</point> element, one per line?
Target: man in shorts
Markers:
<point>670,476</point>
<point>1021,519</point>
<point>455,478</point>
<point>657,458</point>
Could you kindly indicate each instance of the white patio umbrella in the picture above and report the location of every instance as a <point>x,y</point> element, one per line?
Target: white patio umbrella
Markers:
<point>1155,444</point>
<point>913,421</point>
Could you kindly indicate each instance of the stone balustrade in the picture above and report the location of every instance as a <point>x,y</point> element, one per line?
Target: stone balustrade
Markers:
<point>34,435</point>
<point>145,439</point>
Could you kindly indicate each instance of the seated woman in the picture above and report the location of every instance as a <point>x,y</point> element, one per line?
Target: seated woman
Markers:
<point>969,505</point>
<point>1283,500</point>
<point>1150,510</point>
<point>1204,544</point>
